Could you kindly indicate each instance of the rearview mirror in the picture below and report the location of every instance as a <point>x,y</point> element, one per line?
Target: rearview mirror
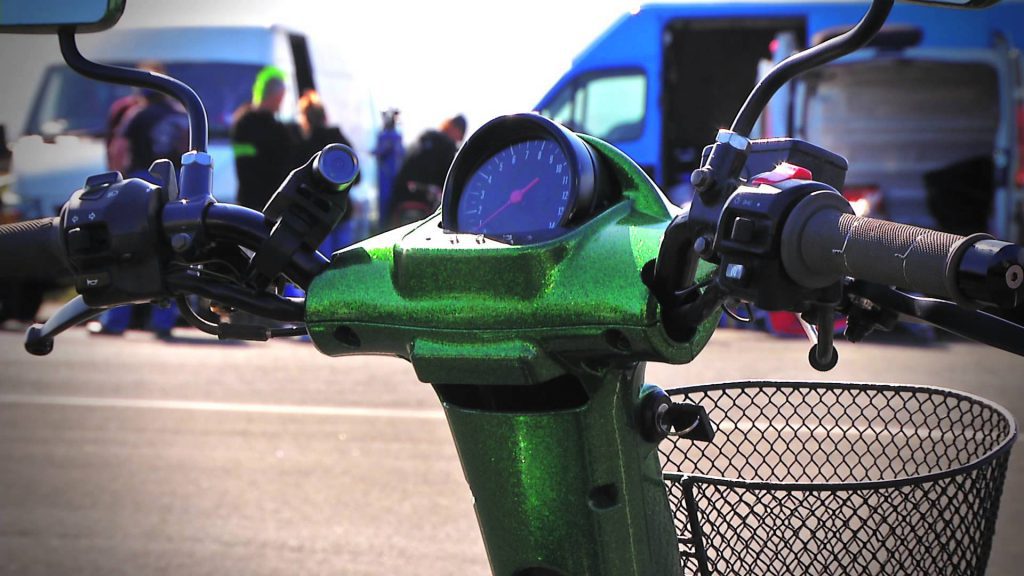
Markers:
<point>49,16</point>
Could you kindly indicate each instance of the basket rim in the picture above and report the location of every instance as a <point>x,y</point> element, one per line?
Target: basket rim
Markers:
<point>1003,447</point>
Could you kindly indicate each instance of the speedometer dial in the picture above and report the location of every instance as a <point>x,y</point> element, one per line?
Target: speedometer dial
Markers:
<point>524,188</point>
<point>522,179</point>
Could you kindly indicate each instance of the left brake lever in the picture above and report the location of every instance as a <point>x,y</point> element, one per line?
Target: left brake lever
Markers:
<point>39,337</point>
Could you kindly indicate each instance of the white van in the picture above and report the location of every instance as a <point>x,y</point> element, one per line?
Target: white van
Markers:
<point>63,138</point>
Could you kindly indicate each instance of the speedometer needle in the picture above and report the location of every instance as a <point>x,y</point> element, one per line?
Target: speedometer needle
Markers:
<point>514,198</point>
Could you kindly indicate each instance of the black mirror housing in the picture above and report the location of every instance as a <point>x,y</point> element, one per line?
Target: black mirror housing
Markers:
<point>51,16</point>
<point>957,3</point>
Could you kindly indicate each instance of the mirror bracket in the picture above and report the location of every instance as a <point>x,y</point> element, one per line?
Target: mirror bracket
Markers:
<point>198,134</point>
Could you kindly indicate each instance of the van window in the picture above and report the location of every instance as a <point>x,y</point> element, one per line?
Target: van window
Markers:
<point>71,104</point>
<point>608,106</point>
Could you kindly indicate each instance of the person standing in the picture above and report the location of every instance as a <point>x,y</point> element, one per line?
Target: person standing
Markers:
<point>263,145</point>
<point>389,152</point>
<point>416,191</point>
<point>314,135</point>
<point>149,128</point>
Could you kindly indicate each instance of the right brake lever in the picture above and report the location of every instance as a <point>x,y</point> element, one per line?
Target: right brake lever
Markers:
<point>971,324</point>
<point>39,337</point>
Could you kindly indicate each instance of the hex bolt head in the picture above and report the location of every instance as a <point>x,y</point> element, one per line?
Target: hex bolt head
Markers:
<point>194,157</point>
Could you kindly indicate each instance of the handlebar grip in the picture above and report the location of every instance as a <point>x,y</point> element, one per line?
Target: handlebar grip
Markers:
<point>837,244</point>
<point>33,250</point>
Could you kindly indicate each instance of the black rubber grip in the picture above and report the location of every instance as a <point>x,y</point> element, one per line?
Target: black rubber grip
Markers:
<point>908,257</point>
<point>33,250</point>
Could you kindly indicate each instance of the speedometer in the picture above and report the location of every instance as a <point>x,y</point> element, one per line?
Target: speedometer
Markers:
<point>526,187</point>
<point>521,179</point>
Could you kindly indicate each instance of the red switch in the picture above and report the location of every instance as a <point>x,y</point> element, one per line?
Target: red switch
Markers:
<point>781,173</point>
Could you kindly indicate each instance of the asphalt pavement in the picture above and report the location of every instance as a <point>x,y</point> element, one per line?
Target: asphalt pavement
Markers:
<point>132,456</point>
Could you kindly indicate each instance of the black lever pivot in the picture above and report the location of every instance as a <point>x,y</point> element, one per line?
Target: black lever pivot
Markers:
<point>888,304</point>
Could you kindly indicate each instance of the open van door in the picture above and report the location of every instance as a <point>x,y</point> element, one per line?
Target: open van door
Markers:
<point>1016,155</point>
<point>710,66</point>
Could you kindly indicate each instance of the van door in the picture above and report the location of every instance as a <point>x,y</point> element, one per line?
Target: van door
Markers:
<point>710,66</point>
<point>304,77</point>
<point>1016,184</point>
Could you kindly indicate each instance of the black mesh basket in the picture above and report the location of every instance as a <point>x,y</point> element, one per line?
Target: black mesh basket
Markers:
<point>823,479</point>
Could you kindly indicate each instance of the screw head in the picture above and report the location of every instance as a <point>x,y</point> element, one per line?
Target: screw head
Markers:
<point>700,179</point>
<point>181,242</point>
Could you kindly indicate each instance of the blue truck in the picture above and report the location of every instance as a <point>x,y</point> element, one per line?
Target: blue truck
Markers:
<point>663,78</point>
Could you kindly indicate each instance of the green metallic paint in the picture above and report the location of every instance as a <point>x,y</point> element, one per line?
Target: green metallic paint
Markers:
<point>468,310</point>
<point>533,474</point>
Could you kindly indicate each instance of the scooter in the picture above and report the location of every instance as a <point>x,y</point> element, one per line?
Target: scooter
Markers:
<point>531,301</point>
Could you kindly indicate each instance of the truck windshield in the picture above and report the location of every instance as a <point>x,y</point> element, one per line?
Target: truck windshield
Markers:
<point>68,103</point>
<point>609,106</point>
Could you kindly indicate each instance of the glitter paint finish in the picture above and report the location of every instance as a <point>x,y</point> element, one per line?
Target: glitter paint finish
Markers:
<point>465,309</point>
<point>558,490</point>
<point>575,491</point>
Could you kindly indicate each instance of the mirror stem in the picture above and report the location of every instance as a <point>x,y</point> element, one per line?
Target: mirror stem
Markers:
<point>801,62</point>
<point>198,136</point>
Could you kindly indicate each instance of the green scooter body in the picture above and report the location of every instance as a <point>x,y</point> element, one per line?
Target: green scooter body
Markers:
<point>536,353</point>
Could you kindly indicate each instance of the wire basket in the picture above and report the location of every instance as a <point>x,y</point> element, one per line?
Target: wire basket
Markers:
<point>824,479</point>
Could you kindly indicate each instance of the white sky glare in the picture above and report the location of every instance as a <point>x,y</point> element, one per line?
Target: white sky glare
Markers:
<point>430,59</point>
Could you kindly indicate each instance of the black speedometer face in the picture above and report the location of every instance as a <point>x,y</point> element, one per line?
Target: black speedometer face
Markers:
<point>522,179</point>
<point>523,190</point>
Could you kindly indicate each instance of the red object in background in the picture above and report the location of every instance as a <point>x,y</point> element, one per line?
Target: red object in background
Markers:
<point>1020,145</point>
<point>788,324</point>
<point>866,200</point>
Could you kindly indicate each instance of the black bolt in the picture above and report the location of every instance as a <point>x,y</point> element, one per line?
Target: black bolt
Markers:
<point>181,242</point>
<point>701,179</point>
<point>702,246</point>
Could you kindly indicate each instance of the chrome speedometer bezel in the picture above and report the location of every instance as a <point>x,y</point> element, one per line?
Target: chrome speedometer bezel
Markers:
<point>504,131</point>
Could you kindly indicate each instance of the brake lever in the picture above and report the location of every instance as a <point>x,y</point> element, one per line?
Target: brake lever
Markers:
<point>974,325</point>
<point>39,337</point>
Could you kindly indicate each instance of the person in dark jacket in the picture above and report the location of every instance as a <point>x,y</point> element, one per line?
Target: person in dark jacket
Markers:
<point>417,187</point>
<point>149,128</point>
<point>314,135</point>
<point>263,146</point>
<point>389,152</point>
<point>157,129</point>
<point>314,131</point>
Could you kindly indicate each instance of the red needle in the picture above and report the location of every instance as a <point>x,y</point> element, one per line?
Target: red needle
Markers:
<point>514,198</point>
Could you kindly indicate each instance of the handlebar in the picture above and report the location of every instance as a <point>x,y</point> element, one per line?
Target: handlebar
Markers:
<point>33,249</point>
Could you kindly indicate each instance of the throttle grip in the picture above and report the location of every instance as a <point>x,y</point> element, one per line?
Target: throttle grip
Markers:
<point>823,241</point>
<point>909,257</point>
<point>33,250</point>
